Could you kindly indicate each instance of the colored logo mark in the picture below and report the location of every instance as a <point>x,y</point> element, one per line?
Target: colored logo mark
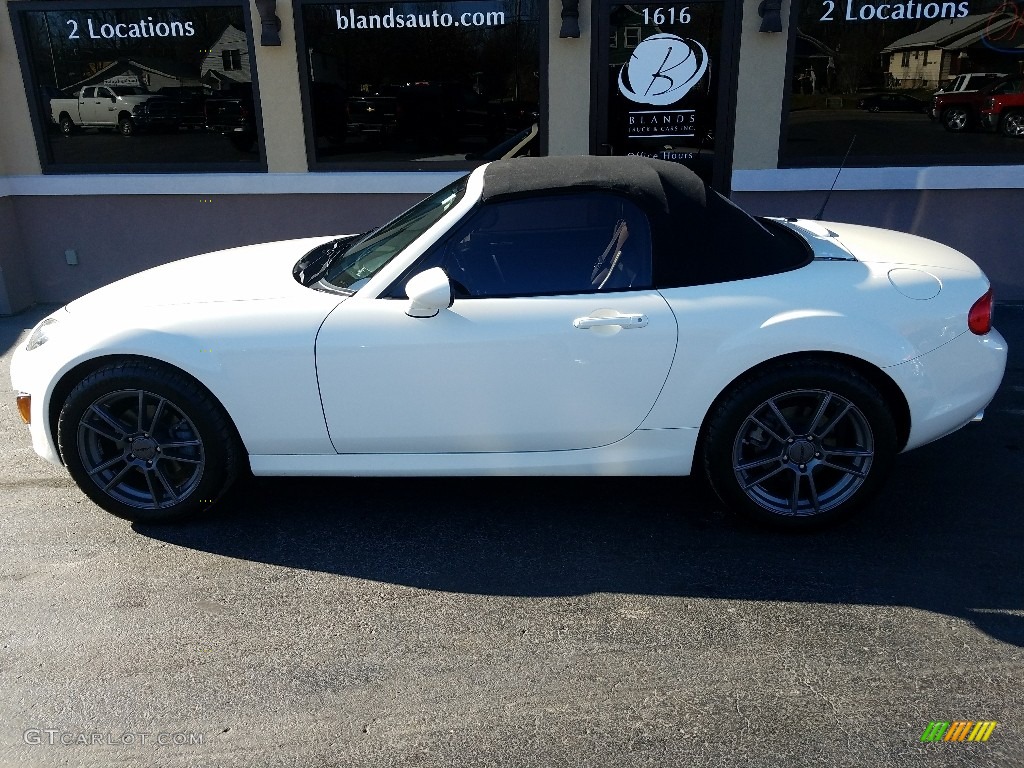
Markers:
<point>959,730</point>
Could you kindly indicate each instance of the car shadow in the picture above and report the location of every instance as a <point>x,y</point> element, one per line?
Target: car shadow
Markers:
<point>945,535</point>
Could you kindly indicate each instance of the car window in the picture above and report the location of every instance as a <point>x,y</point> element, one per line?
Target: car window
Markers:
<point>551,245</point>
<point>365,257</point>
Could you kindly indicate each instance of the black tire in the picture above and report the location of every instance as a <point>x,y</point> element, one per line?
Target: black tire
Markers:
<point>146,442</point>
<point>126,126</point>
<point>800,445</point>
<point>956,119</point>
<point>1012,124</point>
<point>67,125</point>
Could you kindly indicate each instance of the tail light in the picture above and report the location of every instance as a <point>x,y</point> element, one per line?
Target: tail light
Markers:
<point>979,319</point>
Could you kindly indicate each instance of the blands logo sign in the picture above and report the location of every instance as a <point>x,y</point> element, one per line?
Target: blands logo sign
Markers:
<point>959,730</point>
<point>662,70</point>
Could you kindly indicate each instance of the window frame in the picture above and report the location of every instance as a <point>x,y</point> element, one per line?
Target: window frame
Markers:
<point>961,159</point>
<point>41,122</point>
<point>436,255</point>
<point>316,166</point>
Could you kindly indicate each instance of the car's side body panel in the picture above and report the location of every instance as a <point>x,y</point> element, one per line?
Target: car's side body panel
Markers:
<point>644,452</point>
<point>726,330</point>
<point>493,375</point>
<point>254,351</point>
<point>850,308</point>
<point>948,387</point>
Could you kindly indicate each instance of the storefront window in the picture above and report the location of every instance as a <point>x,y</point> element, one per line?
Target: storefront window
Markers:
<point>905,82</point>
<point>140,88</point>
<point>420,84</point>
<point>664,87</point>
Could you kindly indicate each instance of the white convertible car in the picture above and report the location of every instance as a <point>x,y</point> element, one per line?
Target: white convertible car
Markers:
<point>541,316</point>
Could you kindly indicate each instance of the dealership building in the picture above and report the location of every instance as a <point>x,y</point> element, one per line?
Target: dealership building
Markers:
<point>137,132</point>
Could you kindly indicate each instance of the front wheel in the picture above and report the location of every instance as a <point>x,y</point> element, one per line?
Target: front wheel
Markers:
<point>956,119</point>
<point>146,442</point>
<point>800,446</point>
<point>1013,124</point>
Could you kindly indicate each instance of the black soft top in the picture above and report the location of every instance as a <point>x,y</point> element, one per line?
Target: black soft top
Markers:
<point>699,237</point>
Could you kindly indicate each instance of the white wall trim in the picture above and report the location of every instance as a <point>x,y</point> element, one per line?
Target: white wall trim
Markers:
<point>425,182</point>
<point>355,182</point>
<point>932,177</point>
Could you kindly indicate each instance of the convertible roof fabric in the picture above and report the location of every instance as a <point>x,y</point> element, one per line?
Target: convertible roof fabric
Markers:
<point>699,237</point>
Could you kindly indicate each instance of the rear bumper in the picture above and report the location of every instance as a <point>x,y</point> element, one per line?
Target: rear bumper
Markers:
<point>948,387</point>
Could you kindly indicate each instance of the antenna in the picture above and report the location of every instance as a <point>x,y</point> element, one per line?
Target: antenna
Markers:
<point>821,211</point>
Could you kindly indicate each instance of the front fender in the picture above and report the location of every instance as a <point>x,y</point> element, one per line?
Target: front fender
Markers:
<point>255,357</point>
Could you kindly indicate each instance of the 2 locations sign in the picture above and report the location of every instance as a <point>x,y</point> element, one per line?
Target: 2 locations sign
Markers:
<point>907,10</point>
<point>98,30</point>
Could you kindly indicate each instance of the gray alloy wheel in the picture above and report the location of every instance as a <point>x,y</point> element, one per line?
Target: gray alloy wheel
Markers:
<point>799,445</point>
<point>67,125</point>
<point>956,119</point>
<point>1013,124</point>
<point>146,442</point>
<point>796,466</point>
<point>140,448</point>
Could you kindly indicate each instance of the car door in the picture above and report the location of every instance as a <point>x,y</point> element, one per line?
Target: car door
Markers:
<point>555,339</point>
<point>99,107</point>
<point>87,105</point>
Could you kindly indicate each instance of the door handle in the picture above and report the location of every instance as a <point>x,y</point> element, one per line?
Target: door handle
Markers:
<point>623,321</point>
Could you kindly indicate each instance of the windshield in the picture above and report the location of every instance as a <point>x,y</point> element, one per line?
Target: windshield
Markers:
<point>357,264</point>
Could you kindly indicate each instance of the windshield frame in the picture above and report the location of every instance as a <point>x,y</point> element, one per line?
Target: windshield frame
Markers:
<point>356,266</point>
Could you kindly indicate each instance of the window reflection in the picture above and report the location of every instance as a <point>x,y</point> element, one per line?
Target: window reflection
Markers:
<point>143,87</point>
<point>904,84</point>
<point>423,82</point>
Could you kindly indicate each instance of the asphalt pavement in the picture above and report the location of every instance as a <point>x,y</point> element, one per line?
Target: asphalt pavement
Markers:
<point>516,622</point>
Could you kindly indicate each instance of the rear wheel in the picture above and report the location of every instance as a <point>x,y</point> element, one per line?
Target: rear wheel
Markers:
<point>126,126</point>
<point>67,125</point>
<point>799,446</point>
<point>146,442</point>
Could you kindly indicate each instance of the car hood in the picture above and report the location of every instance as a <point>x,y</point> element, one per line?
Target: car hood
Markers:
<point>249,273</point>
<point>871,245</point>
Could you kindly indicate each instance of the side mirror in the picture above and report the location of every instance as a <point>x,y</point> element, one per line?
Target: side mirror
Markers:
<point>429,292</point>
